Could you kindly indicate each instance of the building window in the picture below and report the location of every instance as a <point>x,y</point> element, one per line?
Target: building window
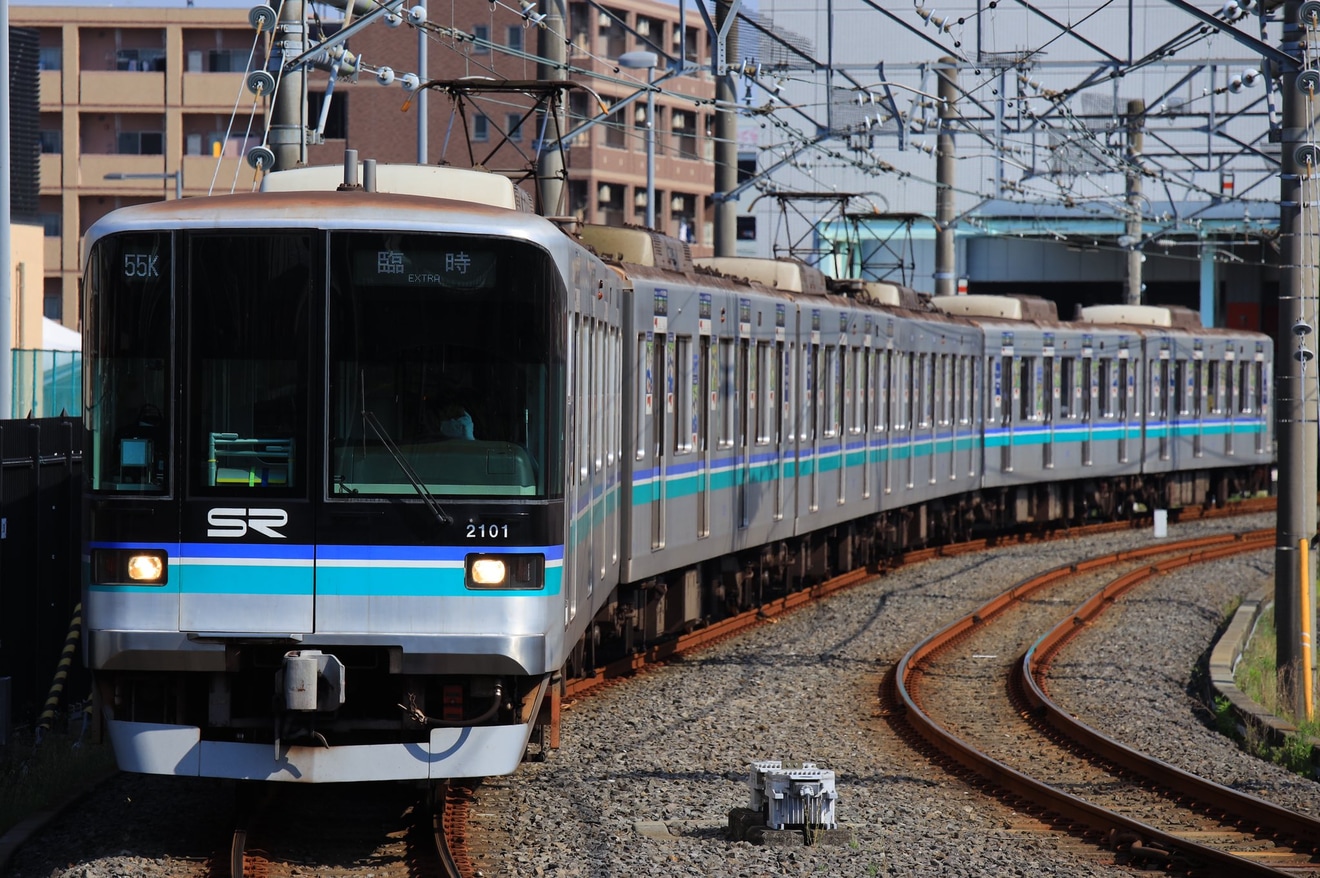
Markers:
<point>685,134</point>
<point>52,141</point>
<point>480,129</point>
<point>336,121</point>
<point>481,33</point>
<point>746,228</point>
<point>50,58</point>
<point>51,225</point>
<point>140,59</point>
<point>513,123</point>
<point>746,167</point>
<point>141,143</point>
<point>227,61</point>
<point>52,300</point>
<point>614,133</point>
<point>515,34</point>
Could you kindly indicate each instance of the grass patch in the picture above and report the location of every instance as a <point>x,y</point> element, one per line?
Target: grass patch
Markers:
<point>37,777</point>
<point>1256,675</point>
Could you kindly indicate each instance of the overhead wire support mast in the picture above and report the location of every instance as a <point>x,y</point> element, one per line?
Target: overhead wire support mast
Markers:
<point>1295,409</point>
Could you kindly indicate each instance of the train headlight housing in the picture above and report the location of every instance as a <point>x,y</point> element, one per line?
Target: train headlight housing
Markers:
<point>499,571</point>
<point>130,567</point>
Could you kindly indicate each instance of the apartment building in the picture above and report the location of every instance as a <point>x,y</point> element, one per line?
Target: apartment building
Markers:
<point>135,103</point>
<point>140,104</point>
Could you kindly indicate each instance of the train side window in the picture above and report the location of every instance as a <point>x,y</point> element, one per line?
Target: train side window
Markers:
<point>1089,389</point>
<point>743,391</point>
<point>1258,386</point>
<point>664,400</point>
<point>1244,388</point>
<point>1068,382</point>
<point>1213,391</point>
<point>1106,383</point>
<point>685,388</point>
<point>581,344</point>
<point>829,381</point>
<point>777,403</point>
<point>856,403</point>
<point>645,394</point>
<point>1124,404</point>
<point>881,363</point>
<point>762,404</point>
<point>1025,388</point>
<point>1198,388</point>
<point>724,376</point>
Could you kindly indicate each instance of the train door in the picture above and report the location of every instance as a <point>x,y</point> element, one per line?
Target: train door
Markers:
<point>1124,401</point>
<point>1258,395</point>
<point>663,380</point>
<point>1013,380</point>
<point>1229,399</point>
<point>812,404</point>
<point>778,402</point>
<point>837,422</point>
<point>1050,399</point>
<point>744,392</point>
<point>867,416</point>
<point>886,419</point>
<point>1160,385</point>
<point>1198,399</point>
<point>706,411</point>
<point>1090,393</point>
<point>247,519</point>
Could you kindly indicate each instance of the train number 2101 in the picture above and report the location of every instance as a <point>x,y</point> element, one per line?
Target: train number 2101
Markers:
<point>487,531</point>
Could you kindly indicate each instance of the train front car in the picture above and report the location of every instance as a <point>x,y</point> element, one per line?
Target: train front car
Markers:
<point>324,516</point>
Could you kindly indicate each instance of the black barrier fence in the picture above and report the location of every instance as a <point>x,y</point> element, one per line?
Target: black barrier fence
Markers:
<point>40,486</point>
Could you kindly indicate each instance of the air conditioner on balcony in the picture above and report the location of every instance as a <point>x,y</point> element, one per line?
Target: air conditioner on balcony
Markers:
<point>639,198</point>
<point>677,203</point>
<point>644,27</point>
<point>680,120</point>
<point>603,193</point>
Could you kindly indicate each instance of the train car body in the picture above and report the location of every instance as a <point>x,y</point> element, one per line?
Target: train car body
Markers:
<point>367,470</point>
<point>329,534</point>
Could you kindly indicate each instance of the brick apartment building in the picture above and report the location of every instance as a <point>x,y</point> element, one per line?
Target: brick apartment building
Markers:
<point>138,104</point>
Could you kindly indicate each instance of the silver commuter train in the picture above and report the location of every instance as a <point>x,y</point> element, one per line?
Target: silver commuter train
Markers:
<point>367,471</point>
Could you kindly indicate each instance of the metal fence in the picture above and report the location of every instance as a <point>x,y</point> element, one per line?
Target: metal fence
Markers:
<point>40,488</point>
<point>47,384</point>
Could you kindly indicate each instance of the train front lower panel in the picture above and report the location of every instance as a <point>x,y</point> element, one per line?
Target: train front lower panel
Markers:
<point>335,455</point>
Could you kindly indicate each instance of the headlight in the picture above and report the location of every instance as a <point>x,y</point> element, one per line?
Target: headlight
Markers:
<point>505,571</point>
<point>129,567</point>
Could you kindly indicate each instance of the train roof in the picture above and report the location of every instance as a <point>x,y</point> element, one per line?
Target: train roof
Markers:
<point>347,209</point>
<point>431,181</point>
<point>633,245</point>
<point>998,307</point>
<point>784,275</point>
<point>1154,316</point>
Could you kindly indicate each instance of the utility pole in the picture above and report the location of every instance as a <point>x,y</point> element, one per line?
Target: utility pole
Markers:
<point>726,129</point>
<point>1295,414</point>
<point>946,255</point>
<point>1136,119</point>
<point>288,125</point>
<point>550,171</point>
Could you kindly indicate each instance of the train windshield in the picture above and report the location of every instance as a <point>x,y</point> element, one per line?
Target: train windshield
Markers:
<point>445,357</point>
<point>127,402</point>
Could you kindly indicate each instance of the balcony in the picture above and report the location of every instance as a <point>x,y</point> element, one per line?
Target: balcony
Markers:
<point>93,167</point>
<point>213,92</point>
<point>51,89</point>
<point>52,173</point>
<point>123,90</point>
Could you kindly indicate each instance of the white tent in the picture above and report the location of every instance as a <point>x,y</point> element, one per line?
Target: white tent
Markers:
<point>56,337</point>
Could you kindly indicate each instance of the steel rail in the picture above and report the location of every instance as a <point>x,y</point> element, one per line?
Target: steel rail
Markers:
<point>910,670</point>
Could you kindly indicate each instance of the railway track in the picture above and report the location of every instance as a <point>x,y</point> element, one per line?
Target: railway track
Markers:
<point>255,851</point>
<point>1028,749</point>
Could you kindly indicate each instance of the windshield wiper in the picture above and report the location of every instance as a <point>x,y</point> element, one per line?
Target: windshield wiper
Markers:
<point>422,491</point>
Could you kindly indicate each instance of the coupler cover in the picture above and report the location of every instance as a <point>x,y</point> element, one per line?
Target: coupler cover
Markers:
<point>793,797</point>
<point>311,681</point>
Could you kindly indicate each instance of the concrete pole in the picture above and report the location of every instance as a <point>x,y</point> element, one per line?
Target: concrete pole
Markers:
<point>1295,415</point>
<point>1136,120</point>
<point>946,255</point>
<point>6,256</point>
<point>726,138</point>
<point>551,181</point>
<point>288,125</point>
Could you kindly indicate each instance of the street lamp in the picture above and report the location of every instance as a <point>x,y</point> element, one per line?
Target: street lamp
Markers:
<point>176,176</point>
<point>647,61</point>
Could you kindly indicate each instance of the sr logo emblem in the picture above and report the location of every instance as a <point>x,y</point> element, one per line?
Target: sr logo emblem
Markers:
<point>236,522</point>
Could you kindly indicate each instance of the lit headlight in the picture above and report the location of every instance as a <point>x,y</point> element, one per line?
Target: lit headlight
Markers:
<point>145,568</point>
<point>129,567</point>
<point>505,571</point>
